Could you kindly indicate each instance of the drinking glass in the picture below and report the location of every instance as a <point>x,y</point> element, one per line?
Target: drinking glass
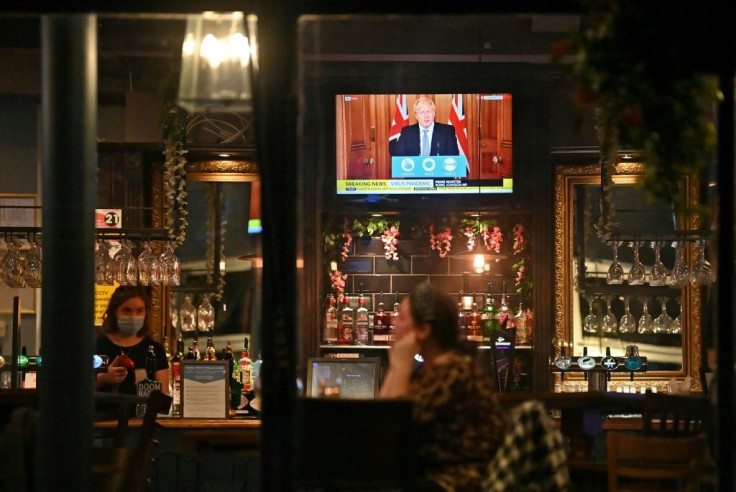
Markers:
<point>609,322</point>
<point>658,273</point>
<point>680,273</point>
<point>187,314</point>
<point>702,273</point>
<point>637,272</point>
<point>205,315</point>
<point>149,266</point>
<point>646,323</point>
<point>12,265</point>
<point>662,322</point>
<point>627,324</point>
<point>590,324</point>
<point>104,264</point>
<point>676,325</point>
<point>126,265</point>
<point>170,266</point>
<point>32,266</point>
<point>615,274</point>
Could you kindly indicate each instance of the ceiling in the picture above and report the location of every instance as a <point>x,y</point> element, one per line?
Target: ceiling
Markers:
<point>135,53</point>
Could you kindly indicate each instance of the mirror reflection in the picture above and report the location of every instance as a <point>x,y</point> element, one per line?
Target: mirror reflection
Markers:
<point>632,284</point>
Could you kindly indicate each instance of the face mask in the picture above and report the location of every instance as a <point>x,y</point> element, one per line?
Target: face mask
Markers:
<point>130,324</point>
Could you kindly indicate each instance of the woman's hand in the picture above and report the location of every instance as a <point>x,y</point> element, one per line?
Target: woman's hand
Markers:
<point>400,366</point>
<point>115,374</point>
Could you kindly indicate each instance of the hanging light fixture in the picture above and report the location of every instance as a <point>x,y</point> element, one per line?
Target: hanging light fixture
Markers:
<point>218,59</point>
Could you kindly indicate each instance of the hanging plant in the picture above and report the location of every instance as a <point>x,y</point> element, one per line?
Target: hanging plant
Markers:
<point>347,240</point>
<point>338,280</point>
<point>645,94</point>
<point>390,243</point>
<point>212,200</point>
<point>440,242</point>
<point>173,120</point>
<point>522,264</point>
<point>492,238</point>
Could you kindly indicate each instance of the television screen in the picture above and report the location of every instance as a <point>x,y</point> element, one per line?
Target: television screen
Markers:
<point>380,149</point>
<point>343,378</point>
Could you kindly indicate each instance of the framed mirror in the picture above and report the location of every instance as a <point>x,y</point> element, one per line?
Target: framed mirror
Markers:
<point>611,291</point>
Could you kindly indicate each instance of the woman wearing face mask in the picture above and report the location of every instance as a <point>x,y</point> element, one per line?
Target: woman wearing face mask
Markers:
<point>125,324</point>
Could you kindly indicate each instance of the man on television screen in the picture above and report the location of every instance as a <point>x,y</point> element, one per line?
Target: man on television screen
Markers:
<point>425,137</point>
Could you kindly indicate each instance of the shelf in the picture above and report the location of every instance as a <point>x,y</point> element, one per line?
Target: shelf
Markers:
<point>100,233</point>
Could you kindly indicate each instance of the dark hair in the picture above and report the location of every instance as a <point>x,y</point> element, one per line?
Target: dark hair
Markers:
<point>122,294</point>
<point>430,304</point>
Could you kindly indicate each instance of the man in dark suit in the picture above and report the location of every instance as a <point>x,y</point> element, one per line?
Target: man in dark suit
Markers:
<point>440,138</point>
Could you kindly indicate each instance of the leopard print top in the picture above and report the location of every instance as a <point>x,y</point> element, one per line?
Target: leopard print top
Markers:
<point>459,422</point>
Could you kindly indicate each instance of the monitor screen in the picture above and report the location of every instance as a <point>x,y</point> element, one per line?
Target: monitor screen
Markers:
<point>353,378</point>
<point>380,150</point>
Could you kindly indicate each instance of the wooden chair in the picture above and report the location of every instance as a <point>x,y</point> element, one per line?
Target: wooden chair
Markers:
<point>354,444</point>
<point>654,464</point>
<point>121,468</point>
<point>675,415</point>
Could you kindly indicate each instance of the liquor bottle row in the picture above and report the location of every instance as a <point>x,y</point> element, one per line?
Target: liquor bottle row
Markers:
<point>243,373</point>
<point>478,324</point>
<point>345,325</point>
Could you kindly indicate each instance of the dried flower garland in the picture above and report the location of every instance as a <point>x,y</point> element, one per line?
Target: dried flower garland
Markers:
<point>175,193</point>
<point>338,280</point>
<point>493,238</point>
<point>390,243</point>
<point>348,239</point>
<point>212,200</point>
<point>440,242</point>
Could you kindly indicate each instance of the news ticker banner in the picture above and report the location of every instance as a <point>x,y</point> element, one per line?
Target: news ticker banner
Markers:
<point>438,186</point>
<point>433,166</point>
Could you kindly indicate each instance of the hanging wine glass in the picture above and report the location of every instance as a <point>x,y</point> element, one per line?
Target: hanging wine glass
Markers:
<point>104,264</point>
<point>637,272</point>
<point>615,274</point>
<point>12,265</point>
<point>205,315</point>
<point>170,266</point>
<point>676,325</point>
<point>662,322</point>
<point>680,273</point>
<point>187,314</point>
<point>627,324</point>
<point>702,273</point>
<point>126,265</point>
<point>32,265</point>
<point>658,273</point>
<point>609,322</point>
<point>590,324</point>
<point>149,266</point>
<point>646,323</point>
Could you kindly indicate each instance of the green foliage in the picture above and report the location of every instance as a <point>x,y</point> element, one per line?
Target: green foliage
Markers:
<point>631,67</point>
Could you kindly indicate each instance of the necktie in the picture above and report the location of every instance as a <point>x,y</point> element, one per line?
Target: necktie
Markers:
<point>425,143</point>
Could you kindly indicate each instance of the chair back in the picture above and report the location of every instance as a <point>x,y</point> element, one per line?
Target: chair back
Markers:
<point>355,444</point>
<point>649,463</point>
<point>675,415</point>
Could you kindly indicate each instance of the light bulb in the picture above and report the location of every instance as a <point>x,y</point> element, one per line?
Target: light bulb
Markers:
<point>479,263</point>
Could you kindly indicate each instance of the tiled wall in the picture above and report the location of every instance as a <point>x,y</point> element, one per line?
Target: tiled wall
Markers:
<point>367,266</point>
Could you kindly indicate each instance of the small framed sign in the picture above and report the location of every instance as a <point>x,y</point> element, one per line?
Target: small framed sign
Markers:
<point>204,389</point>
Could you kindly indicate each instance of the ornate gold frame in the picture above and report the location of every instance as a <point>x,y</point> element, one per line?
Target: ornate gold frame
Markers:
<point>566,177</point>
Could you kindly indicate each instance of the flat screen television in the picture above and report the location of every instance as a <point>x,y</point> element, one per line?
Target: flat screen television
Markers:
<point>377,145</point>
<point>355,378</point>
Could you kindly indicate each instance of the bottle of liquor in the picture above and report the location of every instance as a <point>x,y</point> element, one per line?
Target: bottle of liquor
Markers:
<point>195,347</point>
<point>245,368</point>
<point>381,323</point>
<point>190,354</point>
<point>520,324</point>
<point>361,322</point>
<point>504,313</point>
<point>151,364</point>
<point>209,353</point>
<point>489,316</point>
<point>245,378</point>
<point>145,386</point>
<point>346,326</point>
<point>176,378</point>
<point>462,319</point>
<point>474,330</point>
<point>394,317</point>
<point>329,331</point>
<point>167,350</point>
